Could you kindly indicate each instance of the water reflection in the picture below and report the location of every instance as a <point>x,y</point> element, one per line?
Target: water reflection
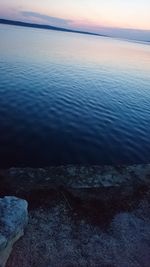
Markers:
<point>71,98</point>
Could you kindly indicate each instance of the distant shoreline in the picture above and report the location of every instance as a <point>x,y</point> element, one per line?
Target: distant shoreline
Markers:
<point>45,27</point>
<point>53,28</point>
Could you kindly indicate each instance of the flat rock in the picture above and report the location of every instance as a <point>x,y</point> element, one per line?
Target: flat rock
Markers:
<point>107,184</point>
<point>13,219</point>
<point>56,238</point>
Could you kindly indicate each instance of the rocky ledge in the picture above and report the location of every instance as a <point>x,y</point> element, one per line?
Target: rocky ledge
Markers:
<point>82,215</point>
<point>105,184</point>
<point>13,219</point>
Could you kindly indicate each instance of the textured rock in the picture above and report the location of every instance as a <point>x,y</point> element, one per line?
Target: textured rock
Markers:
<point>13,219</point>
<point>107,184</point>
<point>56,237</point>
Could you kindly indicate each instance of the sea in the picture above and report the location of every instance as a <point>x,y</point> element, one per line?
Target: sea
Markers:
<point>68,98</point>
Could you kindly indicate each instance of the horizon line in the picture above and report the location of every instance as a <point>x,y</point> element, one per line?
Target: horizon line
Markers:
<point>46,27</point>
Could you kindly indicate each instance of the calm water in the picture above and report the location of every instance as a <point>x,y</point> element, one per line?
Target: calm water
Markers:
<point>71,98</point>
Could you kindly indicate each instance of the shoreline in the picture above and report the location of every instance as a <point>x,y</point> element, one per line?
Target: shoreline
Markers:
<point>100,189</point>
<point>105,184</point>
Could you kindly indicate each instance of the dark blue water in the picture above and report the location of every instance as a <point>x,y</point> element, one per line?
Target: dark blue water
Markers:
<point>69,98</point>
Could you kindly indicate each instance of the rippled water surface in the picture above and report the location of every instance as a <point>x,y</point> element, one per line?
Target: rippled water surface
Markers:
<point>72,98</point>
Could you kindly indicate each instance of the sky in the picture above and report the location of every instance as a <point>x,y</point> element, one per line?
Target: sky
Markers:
<point>120,18</point>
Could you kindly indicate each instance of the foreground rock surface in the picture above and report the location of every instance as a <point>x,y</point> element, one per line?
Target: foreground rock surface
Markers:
<point>13,219</point>
<point>82,215</point>
<point>57,237</point>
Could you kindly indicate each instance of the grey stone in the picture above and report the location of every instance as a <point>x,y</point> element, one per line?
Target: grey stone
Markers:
<point>56,238</point>
<point>13,219</point>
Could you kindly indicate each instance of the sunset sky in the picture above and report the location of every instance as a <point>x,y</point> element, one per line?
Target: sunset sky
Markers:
<point>119,17</point>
